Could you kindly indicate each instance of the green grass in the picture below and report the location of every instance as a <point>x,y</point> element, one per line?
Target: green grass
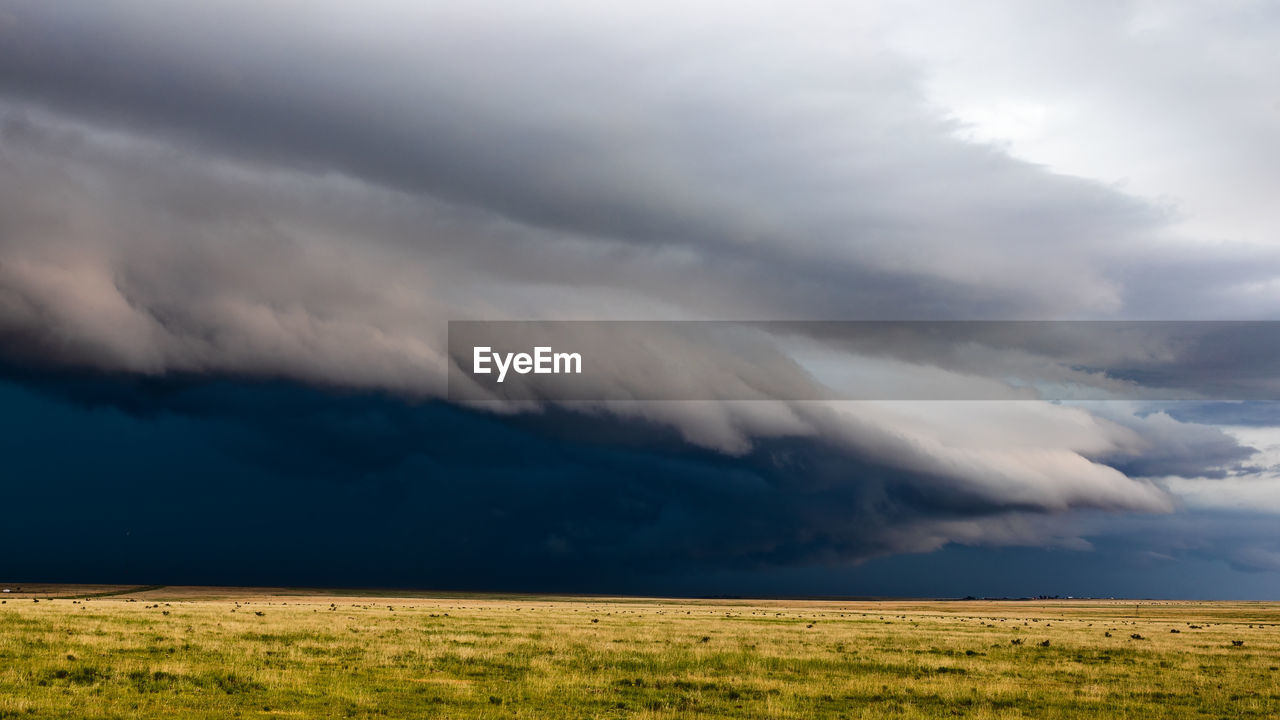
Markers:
<point>326,656</point>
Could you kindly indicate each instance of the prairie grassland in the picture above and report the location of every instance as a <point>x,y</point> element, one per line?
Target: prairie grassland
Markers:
<point>228,653</point>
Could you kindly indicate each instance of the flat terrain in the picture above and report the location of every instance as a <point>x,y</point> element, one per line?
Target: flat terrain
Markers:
<point>117,652</point>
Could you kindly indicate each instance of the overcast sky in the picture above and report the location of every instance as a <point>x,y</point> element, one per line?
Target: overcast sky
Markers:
<point>232,236</point>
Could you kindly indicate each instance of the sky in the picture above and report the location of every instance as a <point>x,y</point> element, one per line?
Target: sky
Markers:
<point>233,235</point>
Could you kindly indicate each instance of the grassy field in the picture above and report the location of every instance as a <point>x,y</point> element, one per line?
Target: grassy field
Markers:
<point>227,653</point>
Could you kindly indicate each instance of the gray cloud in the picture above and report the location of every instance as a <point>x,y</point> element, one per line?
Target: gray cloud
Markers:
<point>846,183</point>
<point>284,192</point>
<point>1171,447</point>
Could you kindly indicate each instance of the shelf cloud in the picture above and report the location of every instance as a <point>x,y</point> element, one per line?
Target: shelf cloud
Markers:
<point>207,210</point>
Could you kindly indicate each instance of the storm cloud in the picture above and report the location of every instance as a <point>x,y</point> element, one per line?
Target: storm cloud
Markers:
<point>255,221</point>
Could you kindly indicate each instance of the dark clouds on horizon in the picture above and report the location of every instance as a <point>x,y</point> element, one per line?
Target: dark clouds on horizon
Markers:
<point>229,482</point>
<point>247,480</point>
<point>231,236</point>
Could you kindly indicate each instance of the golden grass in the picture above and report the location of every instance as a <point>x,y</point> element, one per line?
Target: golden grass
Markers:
<point>227,652</point>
